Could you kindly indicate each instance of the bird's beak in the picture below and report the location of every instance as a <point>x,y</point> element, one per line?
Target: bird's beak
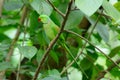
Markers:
<point>39,20</point>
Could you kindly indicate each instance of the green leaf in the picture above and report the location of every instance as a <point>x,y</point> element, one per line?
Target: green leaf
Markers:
<point>91,52</point>
<point>13,4</point>
<point>27,51</point>
<point>34,24</point>
<point>57,19</point>
<point>115,72</point>
<point>15,58</point>
<point>83,65</point>
<point>64,78</point>
<point>114,51</point>
<point>72,22</point>
<point>54,72</point>
<point>101,29</point>
<point>54,56</point>
<point>5,65</point>
<point>53,75</point>
<point>36,33</point>
<point>75,74</point>
<point>117,5</point>
<point>89,7</point>
<point>41,7</point>
<point>3,37</point>
<point>111,11</point>
<point>4,45</point>
<point>39,55</point>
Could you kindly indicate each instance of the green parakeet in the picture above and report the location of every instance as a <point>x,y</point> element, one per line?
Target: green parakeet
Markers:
<point>50,28</point>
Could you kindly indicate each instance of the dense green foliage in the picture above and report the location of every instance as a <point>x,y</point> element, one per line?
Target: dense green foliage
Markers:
<point>92,30</point>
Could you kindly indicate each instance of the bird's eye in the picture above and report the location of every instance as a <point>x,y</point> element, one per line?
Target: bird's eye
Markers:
<point>39,20</point>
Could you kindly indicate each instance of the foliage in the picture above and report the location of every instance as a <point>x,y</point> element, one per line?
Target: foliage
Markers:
<point>23,42</point>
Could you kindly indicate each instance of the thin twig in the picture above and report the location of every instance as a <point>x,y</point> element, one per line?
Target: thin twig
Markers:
<point>11,48</point>
<point>83,45</point>
<point>58,11</point>
<point>53,41</point>
<point>101,74</point>
<point>17,34</point>
<point>93,46</point>
<point>19,64</point>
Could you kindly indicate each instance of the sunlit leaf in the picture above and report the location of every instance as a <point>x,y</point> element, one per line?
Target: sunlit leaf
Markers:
<point>53,75</point>
<point>117,5</point>
<point>111,11</point>
<point>13,4</point>
<point>101,29</point>
<point>72,22</point>
<point>89,7</point>
<point>41,7</point>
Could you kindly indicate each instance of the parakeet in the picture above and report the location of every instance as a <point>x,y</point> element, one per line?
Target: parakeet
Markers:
<point>50,28</point>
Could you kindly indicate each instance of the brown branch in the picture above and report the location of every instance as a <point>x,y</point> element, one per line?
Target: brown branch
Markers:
<point>83,47</point>
<point>53,41</point>
<point>11,48</point>
<point>1,6</point>
<point>102,74</point>
<point>58,11</point>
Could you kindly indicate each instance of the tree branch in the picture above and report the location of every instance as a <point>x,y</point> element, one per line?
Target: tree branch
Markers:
<point>24,14</point>
<point>53,41</point>
<point>58,11</point>
<point>11,48</point>
<point>102,74</point>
